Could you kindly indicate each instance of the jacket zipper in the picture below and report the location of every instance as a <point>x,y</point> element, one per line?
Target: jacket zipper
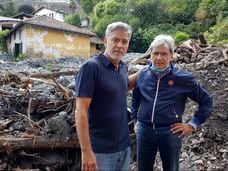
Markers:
<point>156,96</point>
<point>155,100</point>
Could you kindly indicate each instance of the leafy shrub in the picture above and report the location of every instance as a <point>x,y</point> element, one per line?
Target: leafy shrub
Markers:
<point>21,57</point>
<point>180,37</point>
<point>3,40</point>
<point>73,19</point>
<point>218,34</point>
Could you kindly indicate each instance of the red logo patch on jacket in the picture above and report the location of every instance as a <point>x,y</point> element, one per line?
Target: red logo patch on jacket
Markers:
<point>170,83</point>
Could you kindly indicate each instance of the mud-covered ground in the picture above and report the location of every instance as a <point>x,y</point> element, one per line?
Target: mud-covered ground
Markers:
<point>51,110</point>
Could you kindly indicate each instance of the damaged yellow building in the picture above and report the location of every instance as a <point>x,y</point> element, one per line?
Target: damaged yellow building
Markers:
<point>44,37</point>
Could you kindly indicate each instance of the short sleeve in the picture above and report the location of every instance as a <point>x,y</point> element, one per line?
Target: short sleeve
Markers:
<point>85,80</point>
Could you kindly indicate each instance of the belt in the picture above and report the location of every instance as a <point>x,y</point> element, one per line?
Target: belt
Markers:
<point>157,125</point>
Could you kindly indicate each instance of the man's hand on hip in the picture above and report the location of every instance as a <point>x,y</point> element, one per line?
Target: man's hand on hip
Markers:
<point>182,129</point>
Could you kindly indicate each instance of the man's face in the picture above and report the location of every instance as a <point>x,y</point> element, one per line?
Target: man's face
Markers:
<point>161,57</point>
<point>116,44</point>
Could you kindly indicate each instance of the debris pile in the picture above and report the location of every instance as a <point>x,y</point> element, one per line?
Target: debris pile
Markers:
<point>36,115</point>
<point>37,103</point>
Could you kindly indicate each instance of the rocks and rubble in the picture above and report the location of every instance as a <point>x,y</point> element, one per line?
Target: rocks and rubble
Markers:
<point>37,102</point>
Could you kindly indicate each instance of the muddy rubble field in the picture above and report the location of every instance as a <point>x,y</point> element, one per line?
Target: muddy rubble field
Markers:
<point>37,101</point>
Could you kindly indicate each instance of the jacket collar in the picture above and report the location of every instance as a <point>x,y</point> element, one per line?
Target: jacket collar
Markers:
<point>161,74</point>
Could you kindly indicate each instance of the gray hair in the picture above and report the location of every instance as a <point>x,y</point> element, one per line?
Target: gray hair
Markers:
<point>118,26</point>
<point>163,40</point>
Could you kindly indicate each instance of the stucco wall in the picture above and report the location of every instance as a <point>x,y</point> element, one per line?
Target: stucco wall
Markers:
<point>47,43</point>
<point>18,36</point>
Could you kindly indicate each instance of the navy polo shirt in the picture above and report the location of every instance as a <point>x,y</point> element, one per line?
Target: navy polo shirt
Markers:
<point>107,86</point>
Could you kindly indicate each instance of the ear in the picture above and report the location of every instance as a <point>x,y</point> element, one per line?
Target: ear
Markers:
<point>172,57</point>
<point>105,41</point>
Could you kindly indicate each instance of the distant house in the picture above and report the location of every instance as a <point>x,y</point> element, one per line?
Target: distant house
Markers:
<point>52,13</point>
<point>8,23</point>
<point>48,38</point>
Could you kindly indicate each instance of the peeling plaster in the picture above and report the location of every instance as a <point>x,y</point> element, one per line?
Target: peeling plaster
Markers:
<point>69,38</point>
<point>36,42</point>
<point>49,43</point>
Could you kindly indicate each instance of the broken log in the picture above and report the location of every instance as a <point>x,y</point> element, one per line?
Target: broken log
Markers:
<point>39,142</point>
<point>53,74</point>
<point>214,63</point>
<point>142,58</point>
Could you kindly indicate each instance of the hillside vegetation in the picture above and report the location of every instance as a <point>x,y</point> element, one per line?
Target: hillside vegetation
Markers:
<point>183,19</point>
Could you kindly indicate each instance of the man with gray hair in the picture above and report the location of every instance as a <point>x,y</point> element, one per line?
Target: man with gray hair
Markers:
<point>158,104</point>
<point>101,109</point>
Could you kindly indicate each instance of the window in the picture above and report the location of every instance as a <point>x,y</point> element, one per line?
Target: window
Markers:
<point>20,32</point>
<point>51,15</point>
<point>14,35</point>
<point>98,47</point>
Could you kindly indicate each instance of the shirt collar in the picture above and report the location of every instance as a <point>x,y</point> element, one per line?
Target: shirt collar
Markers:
<point>104,59</point>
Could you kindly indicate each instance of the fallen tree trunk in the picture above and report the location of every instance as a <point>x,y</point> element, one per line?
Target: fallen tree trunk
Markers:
<point>37,142</point>
<point>53,74</point>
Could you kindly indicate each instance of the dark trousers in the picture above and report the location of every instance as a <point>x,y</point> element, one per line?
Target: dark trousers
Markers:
<point>150,140</point>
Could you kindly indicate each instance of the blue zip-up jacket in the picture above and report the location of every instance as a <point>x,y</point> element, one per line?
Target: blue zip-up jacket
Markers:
<point>161,99</point>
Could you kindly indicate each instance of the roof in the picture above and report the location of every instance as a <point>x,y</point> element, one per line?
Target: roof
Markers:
<point>47,22</point>
<point>8,19</point>
<point>96,40</point>
<point>21,15</point>
<point>52,9</point>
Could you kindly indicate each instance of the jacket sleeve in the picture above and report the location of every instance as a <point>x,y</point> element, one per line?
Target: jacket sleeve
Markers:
<point>204,100</point>
<point>135,101</point>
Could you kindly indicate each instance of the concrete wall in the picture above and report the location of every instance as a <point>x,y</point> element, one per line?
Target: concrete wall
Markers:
<point>18,37</point>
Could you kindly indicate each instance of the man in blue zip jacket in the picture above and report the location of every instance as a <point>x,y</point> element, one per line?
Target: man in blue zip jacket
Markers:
<point>158,104</point>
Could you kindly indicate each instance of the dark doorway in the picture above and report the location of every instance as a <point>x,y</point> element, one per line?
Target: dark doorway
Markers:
<point>18,49</point>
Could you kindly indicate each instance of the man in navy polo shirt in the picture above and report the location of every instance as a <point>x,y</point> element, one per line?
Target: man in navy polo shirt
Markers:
<point>101,119</point>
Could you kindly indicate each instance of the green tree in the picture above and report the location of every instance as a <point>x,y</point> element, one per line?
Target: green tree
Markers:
<point>73,5</point>
<point>9,10</point>
<point>107,19</point>
<point>149,12</point>
<point>88,5</point>
<point>73,19</point>
<point>180,11</point>
<point>110,11</point>
<point>209,10</point>
<point>218,34</point>
<point>181,18</point>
